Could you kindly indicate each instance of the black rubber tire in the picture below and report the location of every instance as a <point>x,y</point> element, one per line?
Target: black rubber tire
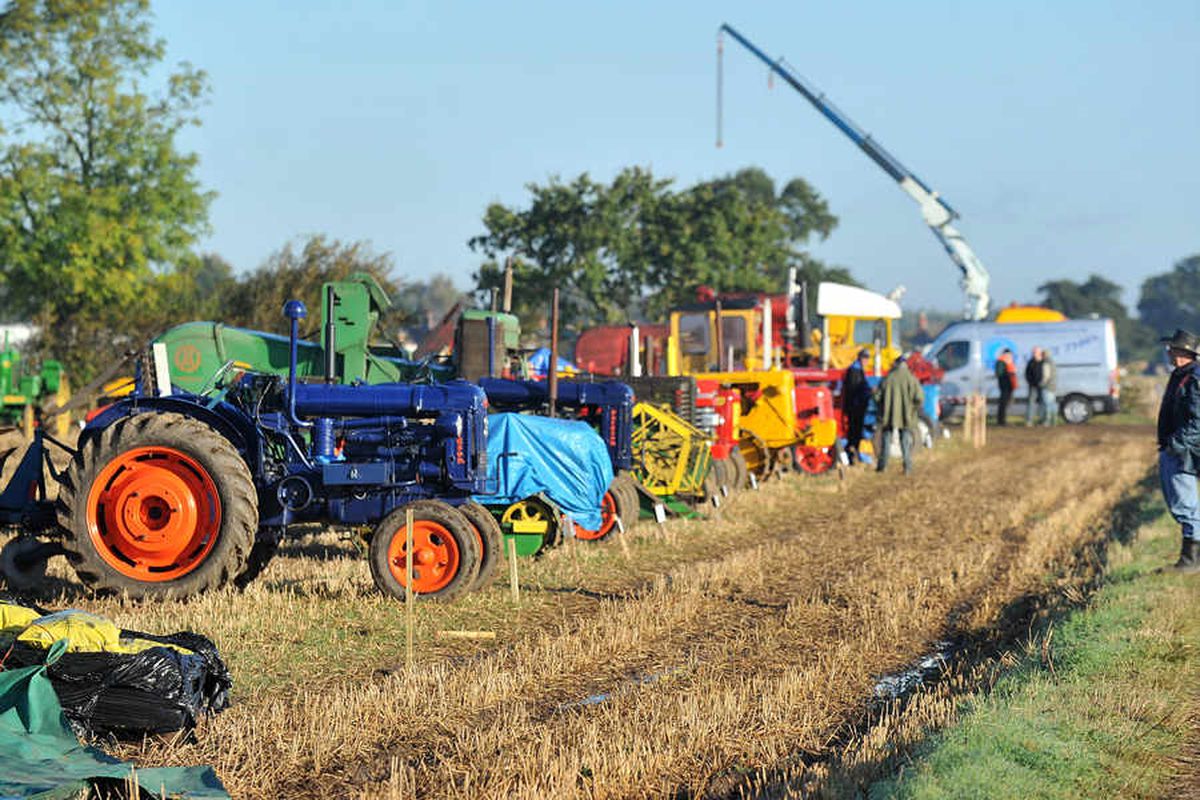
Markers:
<point>726,475</point>
<point>491,537</point>
<point>266,545</point>
<point>449,518</point>
<point>741,479</point>
<point>208,448</point>
<point>629,500</point>
<point>29,578</point>
<point>1075,409</point>
<point>709,489</point>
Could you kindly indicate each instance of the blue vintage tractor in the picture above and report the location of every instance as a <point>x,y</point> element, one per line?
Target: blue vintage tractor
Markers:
<point>174,494</point>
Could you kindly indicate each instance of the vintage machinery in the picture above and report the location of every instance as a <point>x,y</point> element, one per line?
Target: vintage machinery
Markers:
<point>177,493</point>
<point>484,343</point>
<point>24,394</point>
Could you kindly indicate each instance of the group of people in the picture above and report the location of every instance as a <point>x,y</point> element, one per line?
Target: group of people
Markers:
<point>1040,377</point>
<point>899,398</point>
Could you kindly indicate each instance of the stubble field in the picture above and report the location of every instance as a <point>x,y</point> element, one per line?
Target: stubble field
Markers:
<point>686,661</point>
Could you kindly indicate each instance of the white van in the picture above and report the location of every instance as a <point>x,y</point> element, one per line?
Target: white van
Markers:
<point>1083,350</point>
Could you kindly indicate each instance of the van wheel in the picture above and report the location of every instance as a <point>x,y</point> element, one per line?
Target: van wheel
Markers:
<point>1076,409</point>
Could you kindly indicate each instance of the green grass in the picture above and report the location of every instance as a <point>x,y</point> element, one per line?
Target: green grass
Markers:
<point>1100,705</point>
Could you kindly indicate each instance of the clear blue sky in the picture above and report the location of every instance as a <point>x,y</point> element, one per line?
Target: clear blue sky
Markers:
<point>1065,133</point>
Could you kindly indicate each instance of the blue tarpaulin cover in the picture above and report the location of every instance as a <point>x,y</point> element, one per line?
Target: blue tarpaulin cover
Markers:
<point>563,459</point>
<point>539,363</point>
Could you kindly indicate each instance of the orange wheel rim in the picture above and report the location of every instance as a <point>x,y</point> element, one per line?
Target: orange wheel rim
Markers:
<point>608,518</point>
<point>436,557</point>
<point>153,513</point>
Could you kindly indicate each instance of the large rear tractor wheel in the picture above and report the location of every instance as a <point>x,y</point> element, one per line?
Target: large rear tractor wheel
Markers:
<point>490,539</point>
<point>266,545</point>
<point>445,560</point>
<point>159,504</point>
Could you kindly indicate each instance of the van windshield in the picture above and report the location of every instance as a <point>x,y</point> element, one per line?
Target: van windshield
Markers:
<point>953,355</point>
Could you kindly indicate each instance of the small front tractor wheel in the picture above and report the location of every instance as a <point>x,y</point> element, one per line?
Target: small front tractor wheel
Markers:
<point>629,500</point>
<point>445,559</point>
<point>490,539</point>
<point>159,504</point>
<point>608,519</point>
<point>620,503</point>
<point>741,474</point>
<point>815,460</point>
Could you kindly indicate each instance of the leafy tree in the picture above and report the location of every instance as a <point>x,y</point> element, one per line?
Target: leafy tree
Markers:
<point>585,238</point>
<point>638,246</point>
<point>1100,297</point>
<point>424,303</point>
<point>1172,300</point>
<point>298,271</point>
<point>94,194</point>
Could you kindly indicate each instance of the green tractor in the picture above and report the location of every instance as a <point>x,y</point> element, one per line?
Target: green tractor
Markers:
<point>23,395</point>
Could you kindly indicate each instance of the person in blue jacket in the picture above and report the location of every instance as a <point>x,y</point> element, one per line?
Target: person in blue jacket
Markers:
<point>1179,443</point>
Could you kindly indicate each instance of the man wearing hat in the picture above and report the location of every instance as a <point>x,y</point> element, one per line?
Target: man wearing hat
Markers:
<point>1179,443</point>
<point>900,397</point>
<point>856,395</point>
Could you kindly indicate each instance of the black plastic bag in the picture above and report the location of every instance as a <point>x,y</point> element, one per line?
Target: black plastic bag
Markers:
<point>159,690</point>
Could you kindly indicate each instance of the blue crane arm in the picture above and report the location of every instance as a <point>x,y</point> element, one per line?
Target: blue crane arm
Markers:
<point>937,213</point>
<point>875,151</point>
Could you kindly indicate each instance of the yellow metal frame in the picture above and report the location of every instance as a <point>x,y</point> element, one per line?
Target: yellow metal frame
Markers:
<point>671,456</point>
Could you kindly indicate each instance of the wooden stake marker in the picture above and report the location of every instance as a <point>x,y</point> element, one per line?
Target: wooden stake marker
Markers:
<point>408,589</point>
<point>514,586</point>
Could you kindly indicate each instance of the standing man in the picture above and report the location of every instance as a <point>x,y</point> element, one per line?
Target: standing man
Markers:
<point>1048,388</point>
<point>856,396</point>
<point>1033,379</point>
<point>1006,379</point>
<point>899,397</point>
<point>1179,443</point>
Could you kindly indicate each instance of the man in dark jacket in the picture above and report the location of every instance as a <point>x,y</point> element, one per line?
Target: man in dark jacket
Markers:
<point>1179,443</point>
<point>1006,381</point>
<point>856,395</point>
<point>899,399</point>
<point>1033,379</point>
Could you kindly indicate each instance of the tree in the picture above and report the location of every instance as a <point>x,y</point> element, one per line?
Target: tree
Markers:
<point>585,238</point>
<point>1172,300</point>
<point>94,194</point>
<point>424,303</point>
<point>298,271</point>
<point>1100,297</point>
<point>638,246</point>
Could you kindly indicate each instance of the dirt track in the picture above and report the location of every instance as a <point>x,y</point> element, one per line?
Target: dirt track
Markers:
<point>677,665</point>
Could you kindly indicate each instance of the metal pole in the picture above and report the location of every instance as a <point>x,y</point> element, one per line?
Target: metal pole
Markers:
<point>720,339</point>
<point>491,329</point>
<point>508,282</point>
<point>553,374</point>
<point>635,352</point>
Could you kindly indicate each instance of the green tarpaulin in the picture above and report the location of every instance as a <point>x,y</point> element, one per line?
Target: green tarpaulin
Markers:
<point>41,758</point>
